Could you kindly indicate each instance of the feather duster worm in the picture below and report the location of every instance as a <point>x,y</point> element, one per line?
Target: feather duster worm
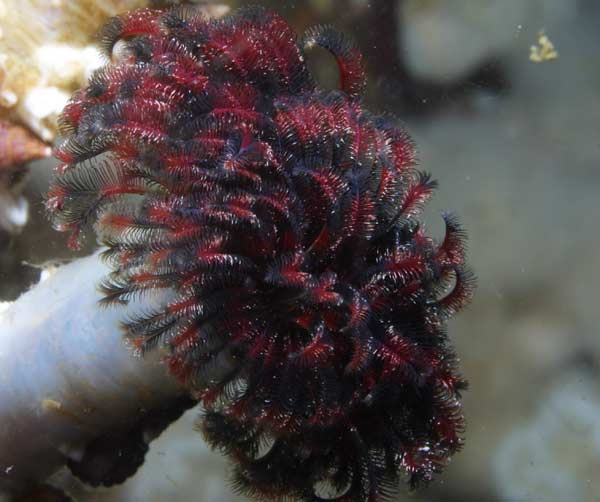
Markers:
<point>307,304</point>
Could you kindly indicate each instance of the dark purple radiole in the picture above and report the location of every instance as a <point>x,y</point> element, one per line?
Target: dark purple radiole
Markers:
<point>306,305</point>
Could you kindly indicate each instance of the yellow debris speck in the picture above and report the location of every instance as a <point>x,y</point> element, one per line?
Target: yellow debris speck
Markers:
<point>51,405</point>
<point>544,51</point>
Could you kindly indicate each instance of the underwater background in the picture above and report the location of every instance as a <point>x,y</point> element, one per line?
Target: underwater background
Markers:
<point>511,133</point>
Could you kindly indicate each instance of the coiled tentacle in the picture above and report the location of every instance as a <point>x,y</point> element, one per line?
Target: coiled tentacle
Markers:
<point>353,78</point>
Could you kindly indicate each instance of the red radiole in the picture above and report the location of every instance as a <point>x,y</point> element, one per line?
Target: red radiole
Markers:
<point>307,305</point>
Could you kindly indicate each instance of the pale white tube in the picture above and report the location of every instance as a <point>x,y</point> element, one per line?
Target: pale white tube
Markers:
<point>66,375</point>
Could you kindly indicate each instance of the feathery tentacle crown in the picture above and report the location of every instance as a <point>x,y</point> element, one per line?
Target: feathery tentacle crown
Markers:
<point>307,305</point>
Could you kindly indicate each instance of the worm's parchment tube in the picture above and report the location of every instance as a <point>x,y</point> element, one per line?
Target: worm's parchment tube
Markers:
<point>66,376</point>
